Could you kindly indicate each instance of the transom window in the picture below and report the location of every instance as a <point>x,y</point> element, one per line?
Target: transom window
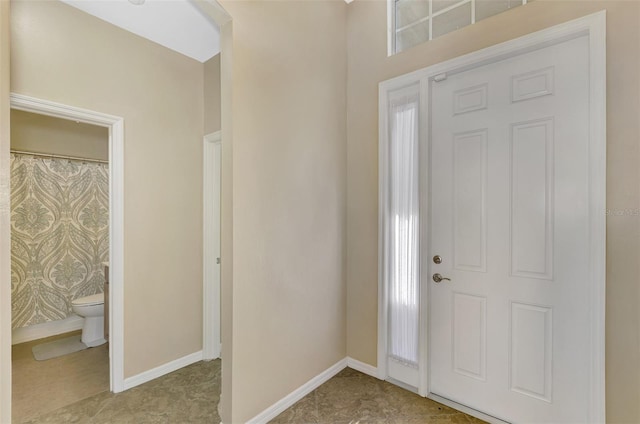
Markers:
<point>416,21</point>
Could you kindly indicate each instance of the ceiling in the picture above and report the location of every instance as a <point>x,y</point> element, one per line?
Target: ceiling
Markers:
<point>176,24</point>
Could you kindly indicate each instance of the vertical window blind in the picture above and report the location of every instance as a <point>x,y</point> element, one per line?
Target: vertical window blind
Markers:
<point>403,240</point>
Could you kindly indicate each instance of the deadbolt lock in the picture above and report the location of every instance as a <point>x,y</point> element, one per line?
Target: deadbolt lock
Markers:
<point>437,259</point>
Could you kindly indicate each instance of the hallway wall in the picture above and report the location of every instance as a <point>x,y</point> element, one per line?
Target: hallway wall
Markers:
<point>5,219</point>
<point>288,95</point>
<point>64,55</point>
<point>212,95</point>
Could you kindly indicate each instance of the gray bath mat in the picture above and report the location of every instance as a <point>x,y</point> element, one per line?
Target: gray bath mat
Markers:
<point>57,348</point>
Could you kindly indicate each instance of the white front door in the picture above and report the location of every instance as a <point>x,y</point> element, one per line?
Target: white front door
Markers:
<point>508,332</point>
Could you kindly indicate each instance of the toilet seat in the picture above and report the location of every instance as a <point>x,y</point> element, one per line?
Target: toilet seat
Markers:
<point>94,299</point>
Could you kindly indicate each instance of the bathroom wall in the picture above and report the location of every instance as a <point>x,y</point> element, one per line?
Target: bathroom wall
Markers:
<point>59,237</point>
<point>33,132</point>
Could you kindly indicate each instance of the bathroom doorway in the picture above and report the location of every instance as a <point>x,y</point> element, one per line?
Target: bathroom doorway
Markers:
<point>66,227</point>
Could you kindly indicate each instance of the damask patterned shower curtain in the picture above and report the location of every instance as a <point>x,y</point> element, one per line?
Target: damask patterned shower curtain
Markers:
<point>59,235</point>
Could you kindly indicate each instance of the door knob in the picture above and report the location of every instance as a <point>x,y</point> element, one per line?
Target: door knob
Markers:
<point>437,278</point>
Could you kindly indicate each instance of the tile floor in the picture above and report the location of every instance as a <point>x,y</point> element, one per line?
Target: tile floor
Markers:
<point>191,395</point>
<point>356,398</point>
<point>42,386</point>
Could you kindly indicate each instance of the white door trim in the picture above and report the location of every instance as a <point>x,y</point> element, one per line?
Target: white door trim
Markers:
<point>212,155</point>
<point>595,27</point>
<point>383,198</point>
<point>116,219</point>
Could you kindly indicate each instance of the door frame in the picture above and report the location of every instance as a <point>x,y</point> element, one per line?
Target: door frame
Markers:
<point>212,157</point>
<point>593,26</point>
<point>115,126</point>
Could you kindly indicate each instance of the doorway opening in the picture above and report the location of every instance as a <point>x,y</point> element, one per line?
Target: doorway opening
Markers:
<point>212,156</point>
<point>496,293</point>
<point>114,252</point>
<point>59,261</point>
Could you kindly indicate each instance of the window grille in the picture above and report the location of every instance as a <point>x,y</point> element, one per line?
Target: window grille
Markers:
<point>416,21</point>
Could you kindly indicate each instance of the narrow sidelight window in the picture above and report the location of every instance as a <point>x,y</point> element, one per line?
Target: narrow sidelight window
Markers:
<point>403,228</point>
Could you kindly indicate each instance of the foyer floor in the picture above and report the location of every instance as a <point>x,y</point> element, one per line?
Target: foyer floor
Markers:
<point>191,395</point>
<point>355,398</point>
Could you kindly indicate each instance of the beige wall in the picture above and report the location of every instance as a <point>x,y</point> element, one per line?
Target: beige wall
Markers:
<point>64,55</point>
<point>31,132</point>
<point>289,206</point>
<point>212,114</point>
<point>368,65</point>
<point>5,227</point>
<point>294,152</point>
<point>226,218</point>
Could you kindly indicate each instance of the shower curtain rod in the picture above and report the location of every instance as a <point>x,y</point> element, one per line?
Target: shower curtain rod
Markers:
<point>52,156</point>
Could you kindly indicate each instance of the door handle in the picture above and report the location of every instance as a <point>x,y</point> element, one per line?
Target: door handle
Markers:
<point>437,278</point>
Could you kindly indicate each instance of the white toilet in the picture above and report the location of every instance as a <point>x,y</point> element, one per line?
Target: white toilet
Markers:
<point>92,309</point>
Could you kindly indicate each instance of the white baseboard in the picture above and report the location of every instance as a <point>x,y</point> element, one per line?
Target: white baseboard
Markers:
<point>216,354</point>
<point>362,367</point>
<point>46,329</point>
<point>284,403</point>
<point>156,372</point>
